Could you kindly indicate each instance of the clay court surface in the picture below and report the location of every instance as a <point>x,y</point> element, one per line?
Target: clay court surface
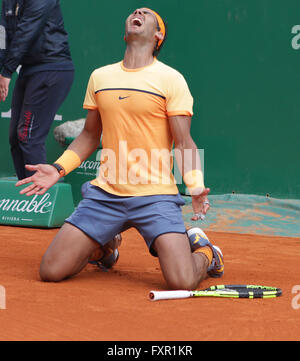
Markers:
<point>114,305</point>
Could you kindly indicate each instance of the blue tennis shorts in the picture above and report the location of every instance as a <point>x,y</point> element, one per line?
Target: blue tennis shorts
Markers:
<point>102,215</point>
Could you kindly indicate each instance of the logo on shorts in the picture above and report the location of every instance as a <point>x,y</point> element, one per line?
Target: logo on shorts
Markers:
<point>121,98</point>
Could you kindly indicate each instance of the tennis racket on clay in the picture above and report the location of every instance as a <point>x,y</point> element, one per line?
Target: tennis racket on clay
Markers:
<point>225,291</point>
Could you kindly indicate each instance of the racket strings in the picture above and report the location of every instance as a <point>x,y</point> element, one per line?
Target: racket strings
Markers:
<point>246,291</point>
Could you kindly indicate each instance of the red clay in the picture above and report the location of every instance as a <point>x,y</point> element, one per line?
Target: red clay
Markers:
<point>114,305</point>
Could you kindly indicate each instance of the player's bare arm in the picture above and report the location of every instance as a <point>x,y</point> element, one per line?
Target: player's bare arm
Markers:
<point>89,139</point>
<point>180,127</point>
<point>83,146</point>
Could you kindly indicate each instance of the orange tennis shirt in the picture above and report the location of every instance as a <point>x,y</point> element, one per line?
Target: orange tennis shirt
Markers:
<point>134,104</point>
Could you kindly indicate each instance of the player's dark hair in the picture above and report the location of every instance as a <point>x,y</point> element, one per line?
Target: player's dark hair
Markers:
<point>158,48</point>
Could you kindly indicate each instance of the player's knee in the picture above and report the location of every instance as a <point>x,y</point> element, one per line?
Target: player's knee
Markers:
<point>182,282</point>
<point>49,272</point>
<point>49,275</point>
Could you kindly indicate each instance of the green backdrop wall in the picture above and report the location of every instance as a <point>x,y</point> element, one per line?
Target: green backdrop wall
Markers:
<point>241,59</point>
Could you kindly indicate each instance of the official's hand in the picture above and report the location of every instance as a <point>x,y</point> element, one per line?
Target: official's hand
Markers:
<point>200,204</point>
<point>4,86</point>
<point>45,176</point>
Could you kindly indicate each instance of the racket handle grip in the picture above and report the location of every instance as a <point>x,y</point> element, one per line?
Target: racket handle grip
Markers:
<point>169,295</point>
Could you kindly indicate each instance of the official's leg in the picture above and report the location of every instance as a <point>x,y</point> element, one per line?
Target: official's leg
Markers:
<point>67,255</point>
<point>45,92</point>
<point>16,108</point>
<point>181,268</point>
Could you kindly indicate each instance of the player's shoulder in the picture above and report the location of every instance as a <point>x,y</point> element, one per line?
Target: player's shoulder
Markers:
<point>168,71</point>
<point>106,69</point>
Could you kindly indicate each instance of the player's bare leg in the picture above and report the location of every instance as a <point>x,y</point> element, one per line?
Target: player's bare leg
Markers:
<point>67,255</point>
<point>181,268</point>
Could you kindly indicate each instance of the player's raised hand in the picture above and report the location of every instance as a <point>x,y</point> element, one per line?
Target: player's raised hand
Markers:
<point>45,176</point>
<point>200,204</point>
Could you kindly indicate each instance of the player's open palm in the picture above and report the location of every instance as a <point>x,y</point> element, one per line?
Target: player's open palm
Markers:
<point>45,176</point>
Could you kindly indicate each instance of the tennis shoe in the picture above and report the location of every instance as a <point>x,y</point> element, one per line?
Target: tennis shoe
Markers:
<point>199,239</point>
<point>109,254</point>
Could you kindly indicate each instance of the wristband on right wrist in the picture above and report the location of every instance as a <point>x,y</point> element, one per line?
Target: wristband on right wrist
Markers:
<point>59,169</point>
<point>69,161</point>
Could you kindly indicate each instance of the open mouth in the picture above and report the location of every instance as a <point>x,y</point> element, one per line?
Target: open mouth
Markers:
<point>137,22</point>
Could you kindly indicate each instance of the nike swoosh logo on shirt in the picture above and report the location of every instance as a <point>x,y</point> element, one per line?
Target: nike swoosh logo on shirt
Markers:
<point>121,98</point>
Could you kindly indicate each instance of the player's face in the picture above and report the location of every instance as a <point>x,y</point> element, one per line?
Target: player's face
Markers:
<point>142,21</point>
